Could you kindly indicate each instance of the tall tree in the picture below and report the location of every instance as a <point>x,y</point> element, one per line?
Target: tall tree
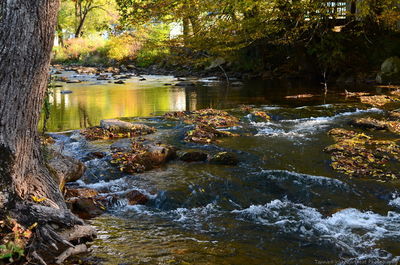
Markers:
<point>26,38</point>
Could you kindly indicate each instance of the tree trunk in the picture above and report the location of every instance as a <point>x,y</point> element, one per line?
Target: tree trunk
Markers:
<point>26,39</point>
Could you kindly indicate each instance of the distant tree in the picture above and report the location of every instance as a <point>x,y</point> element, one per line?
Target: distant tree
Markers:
<point>77,17</point>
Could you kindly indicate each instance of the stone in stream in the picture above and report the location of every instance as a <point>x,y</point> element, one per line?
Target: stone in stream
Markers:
<point>120,82</point>
<point>136,157</point>
<point>84,203</point>
<point>224,158</point>
<point>136,197</point>
<point>205,134</point>
<point>74,81</point>
<point>370,123</point>
<point>85,208</point>
<point>390,71</point>
<point>65,169</point>
<point>194,156</point>
<point>114,128</point>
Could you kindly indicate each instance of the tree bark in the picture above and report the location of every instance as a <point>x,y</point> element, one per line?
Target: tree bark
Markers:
<point>26,38</point>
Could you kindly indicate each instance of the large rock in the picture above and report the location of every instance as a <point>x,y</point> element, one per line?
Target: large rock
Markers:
<point>114,128</point>
<point>66,169</point>
<point>85,208</point>
<point>116,125</point>
<point>390,71</point>
<point>136,157</point>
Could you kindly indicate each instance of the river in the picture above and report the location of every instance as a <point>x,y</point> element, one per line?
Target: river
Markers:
<point>282,204</point>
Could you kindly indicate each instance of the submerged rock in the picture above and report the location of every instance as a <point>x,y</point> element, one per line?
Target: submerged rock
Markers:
<point>224,158</point>
<point>116,129</point>
<point>141,156</point>
<point>194,156</point>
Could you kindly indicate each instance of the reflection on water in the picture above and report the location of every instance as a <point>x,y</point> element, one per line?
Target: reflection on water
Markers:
<point>95,100</point>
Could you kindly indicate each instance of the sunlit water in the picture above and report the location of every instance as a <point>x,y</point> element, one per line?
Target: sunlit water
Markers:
<point>281,205</point>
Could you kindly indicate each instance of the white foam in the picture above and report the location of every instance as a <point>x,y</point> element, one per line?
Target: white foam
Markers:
<point>304,127</point>
<point>350,230</point>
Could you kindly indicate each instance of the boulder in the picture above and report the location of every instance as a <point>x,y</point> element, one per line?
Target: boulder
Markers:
<point>116,125</point>
<point>390,71</point>
<point>113,128</point>
<point>85,208</point>
<point>137,157</point>
<point>74,81</point>
<point>194,156</point>
<point>136,197</point>
<point>66,169</point>
<point>224,158</point>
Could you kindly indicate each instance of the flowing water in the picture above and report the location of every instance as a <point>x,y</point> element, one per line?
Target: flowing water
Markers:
<point>281,205</point>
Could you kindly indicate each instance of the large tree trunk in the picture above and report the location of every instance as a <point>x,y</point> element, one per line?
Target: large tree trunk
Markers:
<point>26,39</point>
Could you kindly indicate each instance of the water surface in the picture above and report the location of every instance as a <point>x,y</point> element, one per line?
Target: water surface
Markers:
<point>282,204</point>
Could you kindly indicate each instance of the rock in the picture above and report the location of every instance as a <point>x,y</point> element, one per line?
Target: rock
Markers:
<point>62,79</point>
<point>205,134</point>
<point>369,123</point>
<point>377,100</point>
<point>136,197</point>
<point>194,156</point>
<point>186,84</point>
<point>66,92</point>
<point>97,155</point>
<point>85,208</point>
<point>130,67</point>
<point>85,70</point>
<point>394,115</point>
<point>224,158</point>
<point>261,115</point>
<point>142,79</point>
<point>66,169</point>
<point>116,125</point>
<point>300,96</point>
<point>123,68</point>
<point>358,155</point>
<point>390,71</point>
<point>113,128</point>
<point>74,81</point>
<point>211,117</point>
<point>81,193</point>
<point>119,82</point>
<point>112,70</point>
<point>138,157</point>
